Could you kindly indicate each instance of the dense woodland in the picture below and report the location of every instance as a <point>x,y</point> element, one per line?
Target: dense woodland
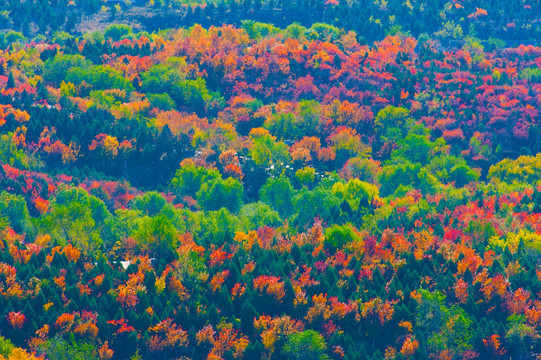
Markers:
<point>447,21</point>
<point>265,192</point>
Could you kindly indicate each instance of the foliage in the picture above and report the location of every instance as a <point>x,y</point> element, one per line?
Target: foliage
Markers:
<point>265,192</point>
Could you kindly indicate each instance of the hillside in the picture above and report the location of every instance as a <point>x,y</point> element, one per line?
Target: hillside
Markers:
<point>256,191</point>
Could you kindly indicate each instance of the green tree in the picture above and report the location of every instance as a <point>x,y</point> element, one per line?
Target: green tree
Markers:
<point>278,193</point>
<point>305,345</point>
<point>150,203</point>
<point>521,337</point>
<point>11,81</point>
<point>439,327</point>
<point>6,347</point>
<point>157,236</point>
<point>258,214</point>
<point>117,31</point>
<point>9,154</point>
<point>449,168</point>
<point>525,169</point>
<point>100,77</point>
<point>399,174</point>
<point>76,217</point>
<point>268,153</point>
<point>319,202</point>
<point>219,193</point>
<point>416,146</point>
<point>13,208</point>
<point>190,177</point>
<point>192,93</point>
<point>58,348</point>
<point>355,192</point>
<point>55,69</point>
<point>337,236</point>
<point>393,123</point>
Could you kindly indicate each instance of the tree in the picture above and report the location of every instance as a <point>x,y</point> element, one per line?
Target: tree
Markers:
<point>440,328</point>
<point>392,122</point>
<point>305,345</point>
<point>268,153</point>
<point>278,193</point>
<point>6,347</point>
<point>319,202</point>
<point>58,348</point>
<point>13,207</point>
<point>219,193</point>
<point>189,178</point>
<point>150,203</point>
<point>117,31</point>
<point>259,214</point>
<point>337,236</point>
<point>522,337</point>
<point>393,176</point>
<point>56,68</point>
<point>157,236</point>
<point>416,147</point>
<point>76,217</point>
<point>11,81</point>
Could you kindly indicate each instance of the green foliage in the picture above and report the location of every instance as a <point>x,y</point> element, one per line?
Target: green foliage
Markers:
<point>323,31</point>
<point>117,31</point>
<point>256,30</point>
<point>171,77</point>
<point>259,214</point>
<point>337,236</point>
<point>287,125</point>
<point>393,122</point>
<point>13,208</point>
<point>13,37</point>
<point>448,168</point>
<point>10,154</point>
<point>189,179</point>
<point>268,153</point>
<point>156,236</point>
<point>306,175</point>
<point>161,78</point>
<point>463,174</point>
<point>161,101</point>
<point>416,146</point>
<point>212,227</point>
<point>6,347</point>
<point>76,217</point>
<point>150,203</point>
<point>282,125</point>
<point>439,327</point>
<point>192,93</point>
<point>219,193</point>
<point>61,37</point>
<point>99,77</point>
<point>58,348</point>
<point>305,345</point>
<point>531,74</point>
<point>525,169</point>
<point>94,37</point>
<point>56,69</point>
<point>315,203</point>
<point>495,43</point>
<point>356,192</point>
<point>295,31</point>
<point>522,337</point>
<point>278,193</point>
<point>392,176</point>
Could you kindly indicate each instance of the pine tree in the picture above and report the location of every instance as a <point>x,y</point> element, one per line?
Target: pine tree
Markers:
<point>11,81</point>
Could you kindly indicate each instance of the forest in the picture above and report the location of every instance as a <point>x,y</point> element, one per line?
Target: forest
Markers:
<point>361,183</point>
